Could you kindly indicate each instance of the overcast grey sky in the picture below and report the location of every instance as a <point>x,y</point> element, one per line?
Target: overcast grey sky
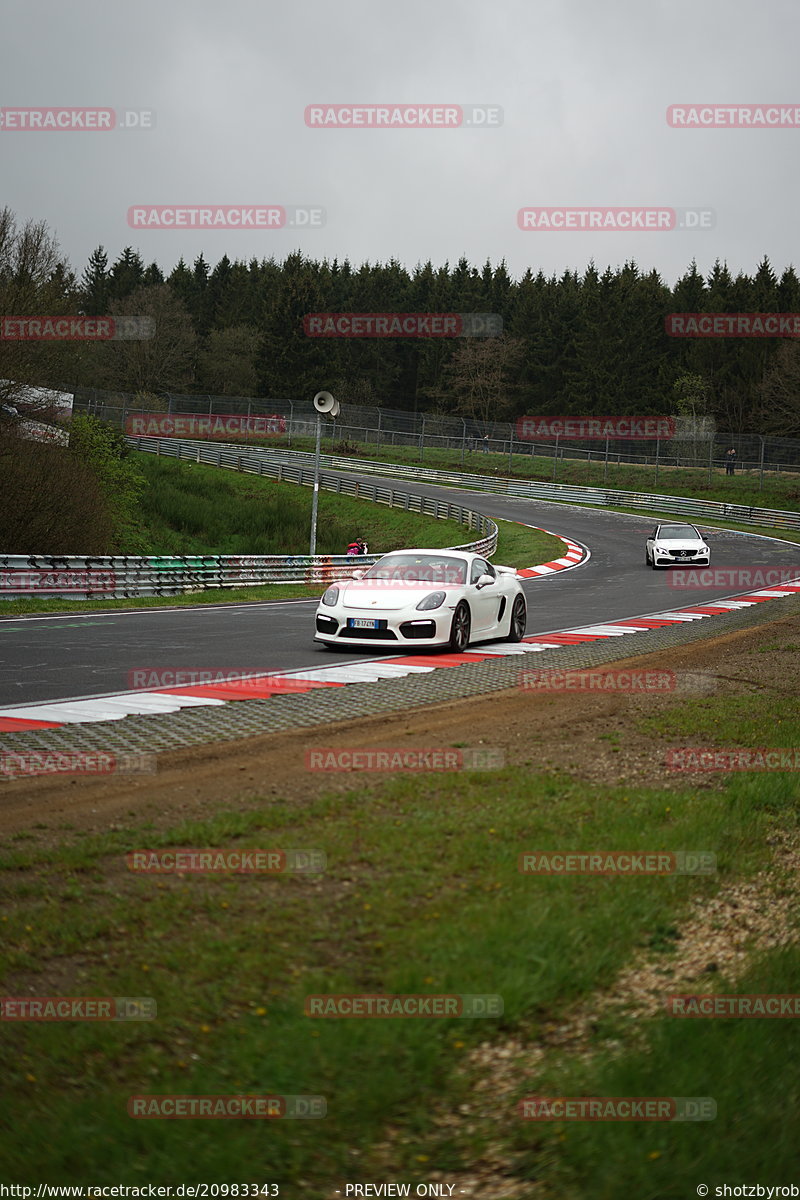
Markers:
<point>584,88</point>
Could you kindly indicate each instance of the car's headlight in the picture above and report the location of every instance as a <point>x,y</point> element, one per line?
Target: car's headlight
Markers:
<point>331,596</point>
<point>704,550</point>
<point>435,600</point>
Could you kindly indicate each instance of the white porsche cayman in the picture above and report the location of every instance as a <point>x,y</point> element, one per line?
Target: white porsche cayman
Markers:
<point>419,598</point>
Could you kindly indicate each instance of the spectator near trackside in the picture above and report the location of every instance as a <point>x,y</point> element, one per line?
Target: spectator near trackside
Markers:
<point>362,546</point>
<point>486,444</point>
<point>730,461</point>
<point>354,548</point>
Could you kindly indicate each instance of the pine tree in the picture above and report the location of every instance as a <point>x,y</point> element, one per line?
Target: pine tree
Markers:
<point>126,274</point>
<point>95,287</point>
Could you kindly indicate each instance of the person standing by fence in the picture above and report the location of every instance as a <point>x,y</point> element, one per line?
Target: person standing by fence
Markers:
<point>730,461</point>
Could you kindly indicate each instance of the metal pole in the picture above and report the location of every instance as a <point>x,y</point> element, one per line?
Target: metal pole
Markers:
<point>658,451</point>
<point>761,466</point>
<point>605,464</point>
<point>555,460</point>
<point>710,456</point>
<point>510,446</point>
<point>379,429</point>
<point>291,422</point>
<point>315,494</point>
<point>422,440</point>
<point>463,439</point>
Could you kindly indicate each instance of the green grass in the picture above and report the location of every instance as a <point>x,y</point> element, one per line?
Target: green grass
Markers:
<point>517,546</point>
<point>769,720</point>
<point>189,508</point>
<point>421,890</point>
<point>750,1067</point>
<point>421,895</point>
<point>780,490</point>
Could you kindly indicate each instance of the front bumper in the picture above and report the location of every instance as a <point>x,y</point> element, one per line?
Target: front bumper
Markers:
<point>423,629</point>
<point>676,559</point>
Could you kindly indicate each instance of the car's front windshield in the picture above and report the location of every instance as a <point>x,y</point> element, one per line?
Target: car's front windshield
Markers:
<point>419,568</point>
<point>679,531</point>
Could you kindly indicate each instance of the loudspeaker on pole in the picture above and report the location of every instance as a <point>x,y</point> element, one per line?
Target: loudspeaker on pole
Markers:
<point>325,403</point>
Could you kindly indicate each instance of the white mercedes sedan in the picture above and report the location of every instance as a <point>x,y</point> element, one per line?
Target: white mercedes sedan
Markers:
<point>412,599</point>
<point>675,543</point>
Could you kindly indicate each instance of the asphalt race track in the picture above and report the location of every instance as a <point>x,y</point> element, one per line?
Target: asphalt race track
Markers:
<point>57,657</point>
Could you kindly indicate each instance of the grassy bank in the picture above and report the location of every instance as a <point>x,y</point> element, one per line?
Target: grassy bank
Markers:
<point>780,490</point>
<point>517,546</point>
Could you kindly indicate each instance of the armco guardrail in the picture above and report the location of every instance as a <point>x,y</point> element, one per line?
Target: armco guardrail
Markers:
<point>602,497</point>
<point>122,576</point>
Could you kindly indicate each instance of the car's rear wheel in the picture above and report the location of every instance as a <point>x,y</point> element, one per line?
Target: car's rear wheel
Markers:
<point>460,628</point>
<point>519,619</point>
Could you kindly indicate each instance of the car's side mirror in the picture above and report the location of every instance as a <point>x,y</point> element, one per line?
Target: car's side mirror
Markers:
<point>358,574</point>
<point>484,581</point>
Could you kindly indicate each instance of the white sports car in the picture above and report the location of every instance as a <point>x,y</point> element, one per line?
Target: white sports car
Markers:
<point>674,543</point>
<point>421,598</point>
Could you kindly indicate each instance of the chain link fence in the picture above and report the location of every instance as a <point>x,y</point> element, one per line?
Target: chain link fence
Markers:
<point>465,439</point>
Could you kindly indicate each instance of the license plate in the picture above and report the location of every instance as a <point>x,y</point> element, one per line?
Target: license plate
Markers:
<point>363,623</point>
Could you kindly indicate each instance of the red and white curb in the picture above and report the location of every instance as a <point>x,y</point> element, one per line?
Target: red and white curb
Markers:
<point>576,554</point>
<point>122,704</point>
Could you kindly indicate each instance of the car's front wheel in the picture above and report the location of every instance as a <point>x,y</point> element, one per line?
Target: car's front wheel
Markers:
<point>519,620</point>
<point>460,628</point>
